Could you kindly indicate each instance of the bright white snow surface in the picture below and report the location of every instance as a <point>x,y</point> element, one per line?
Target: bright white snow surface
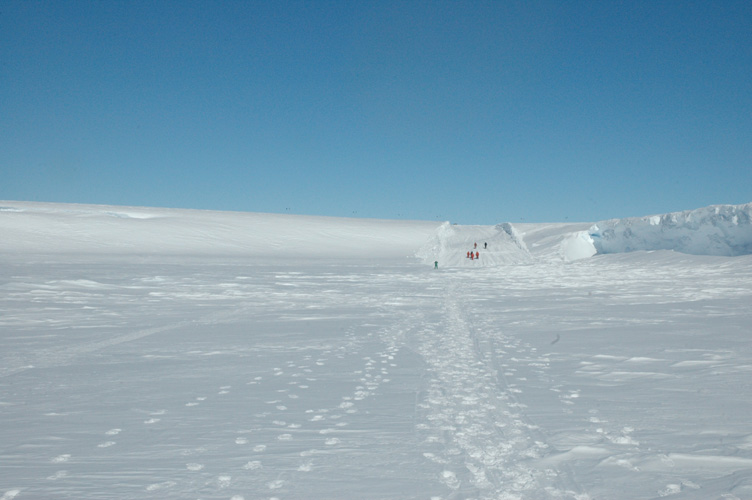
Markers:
<point>177,354</point>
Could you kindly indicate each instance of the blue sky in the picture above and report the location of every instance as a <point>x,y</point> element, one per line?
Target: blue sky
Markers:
<point>474,112</point>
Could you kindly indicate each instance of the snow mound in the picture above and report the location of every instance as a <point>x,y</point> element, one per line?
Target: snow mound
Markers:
<point>724,230</point>
<point>496,245</point>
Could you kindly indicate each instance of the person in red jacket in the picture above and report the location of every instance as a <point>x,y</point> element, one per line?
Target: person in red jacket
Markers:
<point>477,255</point>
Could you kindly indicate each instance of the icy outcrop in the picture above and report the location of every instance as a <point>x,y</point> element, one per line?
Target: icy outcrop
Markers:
<point>513,234</point>
<point>577,246</point>
<point>715,230</point>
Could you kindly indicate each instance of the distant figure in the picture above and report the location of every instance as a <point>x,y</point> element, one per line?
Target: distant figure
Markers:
<point>468,255</point>
<point>436,264</point>
<point>485,245</point>
<point>477,255</point>
<point>475,246</point>
<point>472,256</point>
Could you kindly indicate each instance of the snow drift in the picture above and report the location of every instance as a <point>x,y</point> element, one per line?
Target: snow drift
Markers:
<point>716,230</point>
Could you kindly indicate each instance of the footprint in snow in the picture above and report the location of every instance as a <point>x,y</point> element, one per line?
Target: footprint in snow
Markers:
<point>436,459</point>
<point>450,479</point>
<point>106,444</point>
<point>161,486</point>
<point>58,475</point>
<point>194,467</point>
<point>275,485</point>
<point>254,465</point>
<point>60,459</point>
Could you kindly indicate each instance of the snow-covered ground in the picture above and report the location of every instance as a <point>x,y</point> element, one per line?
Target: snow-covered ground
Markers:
<point>177,354</point>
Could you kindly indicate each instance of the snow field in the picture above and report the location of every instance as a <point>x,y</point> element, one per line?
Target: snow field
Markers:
<point>621,376</point>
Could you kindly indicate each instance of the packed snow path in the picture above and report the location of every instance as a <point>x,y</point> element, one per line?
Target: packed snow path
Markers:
<point>618,377</point>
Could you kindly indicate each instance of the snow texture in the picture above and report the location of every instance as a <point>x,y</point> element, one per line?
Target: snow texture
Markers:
<point>179,354</point>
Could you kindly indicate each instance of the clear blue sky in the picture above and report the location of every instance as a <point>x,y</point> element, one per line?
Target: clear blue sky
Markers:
<point>474,112</point>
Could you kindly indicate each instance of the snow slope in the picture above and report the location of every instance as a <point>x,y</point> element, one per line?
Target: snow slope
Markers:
<point>173,354</point>
<point>90,229</point>
<point>496,245</point>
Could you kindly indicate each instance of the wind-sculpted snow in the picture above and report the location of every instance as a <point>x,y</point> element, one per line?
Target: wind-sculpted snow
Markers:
<point>716,230</point>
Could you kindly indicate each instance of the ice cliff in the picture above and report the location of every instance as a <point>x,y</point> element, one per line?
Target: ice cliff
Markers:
<point>715,230</point>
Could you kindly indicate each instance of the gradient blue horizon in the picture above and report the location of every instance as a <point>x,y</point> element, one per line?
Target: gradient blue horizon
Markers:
<point>474,112</point>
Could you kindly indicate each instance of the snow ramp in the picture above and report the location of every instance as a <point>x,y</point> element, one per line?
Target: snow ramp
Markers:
<point>496,245</point>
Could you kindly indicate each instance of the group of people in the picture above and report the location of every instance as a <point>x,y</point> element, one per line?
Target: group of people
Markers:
<point>474,254</point>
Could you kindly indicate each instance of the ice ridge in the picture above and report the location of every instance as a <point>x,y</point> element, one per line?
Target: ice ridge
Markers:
<point>724,230</point>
